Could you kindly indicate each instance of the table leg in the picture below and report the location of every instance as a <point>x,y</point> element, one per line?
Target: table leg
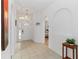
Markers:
<point>73,53</point>
<point>77,52</point>
<point>66,52</point>
<point>62,52</point>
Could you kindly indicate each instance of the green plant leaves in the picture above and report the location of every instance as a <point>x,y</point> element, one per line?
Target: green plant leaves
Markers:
<point>70,40</point>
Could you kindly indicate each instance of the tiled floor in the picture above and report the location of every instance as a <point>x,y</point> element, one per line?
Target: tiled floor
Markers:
<point>46,42</point>
<point>32,50</point>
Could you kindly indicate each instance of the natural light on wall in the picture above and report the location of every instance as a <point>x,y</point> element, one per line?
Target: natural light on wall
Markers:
<point>19,34</point>
<point>26,17</point>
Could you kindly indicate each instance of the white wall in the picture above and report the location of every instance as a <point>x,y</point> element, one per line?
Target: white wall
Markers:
<point>39,30</point>
<point>62,15</point>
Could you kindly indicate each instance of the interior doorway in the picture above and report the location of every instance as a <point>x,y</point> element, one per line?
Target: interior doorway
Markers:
<point>46,31</point>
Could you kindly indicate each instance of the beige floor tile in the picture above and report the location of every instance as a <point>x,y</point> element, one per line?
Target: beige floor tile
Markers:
<point>32,50</point>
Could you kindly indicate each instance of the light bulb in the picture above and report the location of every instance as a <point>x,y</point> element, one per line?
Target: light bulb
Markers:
<point>21,17</point>
<point>26,17</point>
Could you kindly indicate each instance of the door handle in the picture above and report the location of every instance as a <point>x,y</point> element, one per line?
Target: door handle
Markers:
<point>22,31</point>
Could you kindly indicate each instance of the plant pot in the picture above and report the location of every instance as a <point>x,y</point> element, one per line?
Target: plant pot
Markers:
<point>71,44</point>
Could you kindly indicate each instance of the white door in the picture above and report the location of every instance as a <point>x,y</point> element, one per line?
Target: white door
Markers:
<point>24,30</point>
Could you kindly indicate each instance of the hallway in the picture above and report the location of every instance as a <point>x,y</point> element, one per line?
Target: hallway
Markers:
<point>37,29</point>
<point>31,50</point>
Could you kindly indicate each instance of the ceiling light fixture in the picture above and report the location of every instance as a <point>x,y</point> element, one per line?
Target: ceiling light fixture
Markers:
<point>26,17</point>
<point>21,17</point>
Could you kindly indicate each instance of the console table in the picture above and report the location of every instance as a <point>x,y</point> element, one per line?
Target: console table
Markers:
<point>71,46</point>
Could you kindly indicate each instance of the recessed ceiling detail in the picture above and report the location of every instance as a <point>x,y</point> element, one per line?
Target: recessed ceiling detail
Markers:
<point>33,5</point>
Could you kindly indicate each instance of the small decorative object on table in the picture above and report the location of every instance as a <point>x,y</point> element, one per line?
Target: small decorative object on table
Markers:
<point>70,43</point>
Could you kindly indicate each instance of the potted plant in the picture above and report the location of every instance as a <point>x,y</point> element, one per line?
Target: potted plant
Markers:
<point>70,41</point>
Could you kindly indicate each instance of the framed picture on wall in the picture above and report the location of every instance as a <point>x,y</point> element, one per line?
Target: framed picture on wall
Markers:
<point>4,24</point>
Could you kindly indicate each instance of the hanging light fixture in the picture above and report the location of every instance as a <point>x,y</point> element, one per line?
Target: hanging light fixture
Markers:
<point>21,17</point>
<point>26,16</point>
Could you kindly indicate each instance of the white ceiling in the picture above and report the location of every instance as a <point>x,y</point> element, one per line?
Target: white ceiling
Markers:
<point>33,5</point>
